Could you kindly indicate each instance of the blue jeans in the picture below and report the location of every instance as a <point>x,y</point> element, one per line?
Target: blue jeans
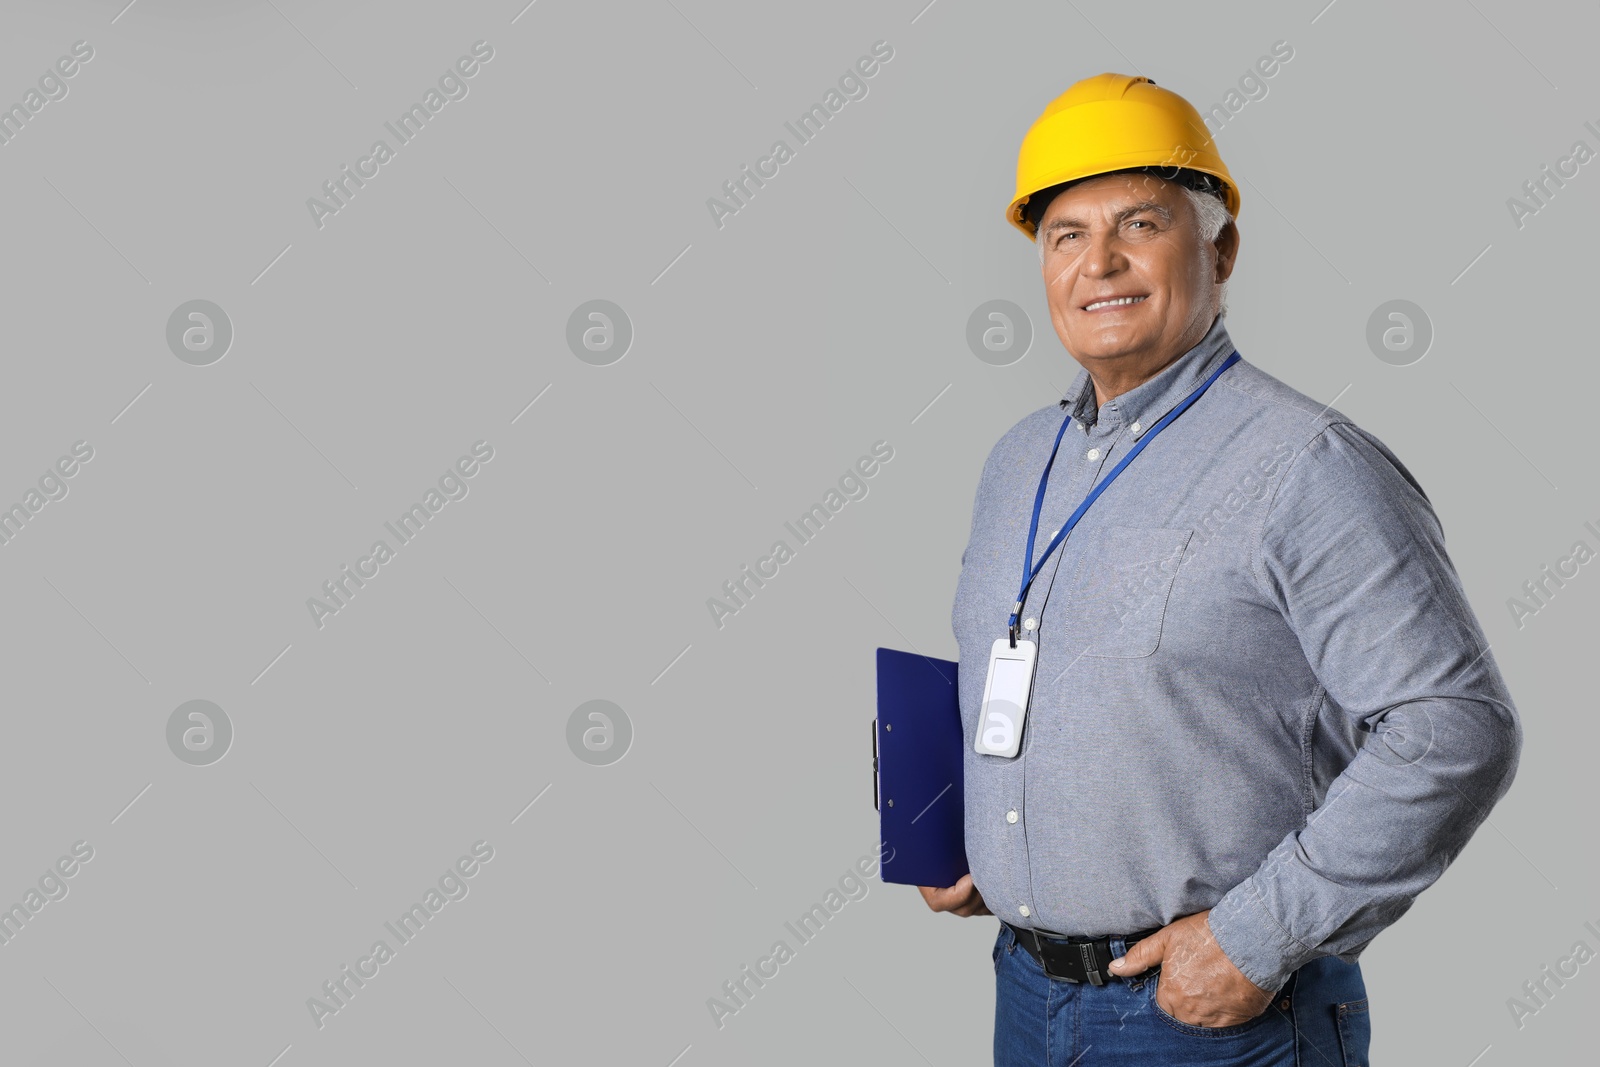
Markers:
<point>1318,1019</point>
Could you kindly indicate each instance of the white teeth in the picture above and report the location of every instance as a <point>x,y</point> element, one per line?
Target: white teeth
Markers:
<point>1110,303</point>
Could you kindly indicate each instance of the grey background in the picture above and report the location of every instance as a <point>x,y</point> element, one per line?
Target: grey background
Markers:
<point>767,356</point>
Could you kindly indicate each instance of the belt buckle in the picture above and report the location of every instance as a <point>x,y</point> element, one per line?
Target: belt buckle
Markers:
<point>1082,953</point>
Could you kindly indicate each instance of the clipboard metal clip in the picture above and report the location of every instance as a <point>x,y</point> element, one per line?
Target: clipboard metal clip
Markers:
<point>874,764</point>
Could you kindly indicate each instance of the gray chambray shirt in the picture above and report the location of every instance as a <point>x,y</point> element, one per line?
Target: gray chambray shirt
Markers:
<point>1260,688</point>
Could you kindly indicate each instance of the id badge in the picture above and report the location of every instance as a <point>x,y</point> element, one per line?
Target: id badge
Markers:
<point>1005,698</point>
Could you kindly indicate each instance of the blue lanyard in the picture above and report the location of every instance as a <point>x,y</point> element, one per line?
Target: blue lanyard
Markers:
<point>1029,569</point>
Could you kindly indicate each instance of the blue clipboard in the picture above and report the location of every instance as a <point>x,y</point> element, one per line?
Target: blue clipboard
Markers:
<point>918,753</point>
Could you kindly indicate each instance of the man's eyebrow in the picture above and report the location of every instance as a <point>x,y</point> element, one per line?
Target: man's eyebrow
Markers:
<point>1125,213</point>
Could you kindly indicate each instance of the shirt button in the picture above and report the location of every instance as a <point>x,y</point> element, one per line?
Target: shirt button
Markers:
<point>1022,910</point>
<point>1011,816</point>
<point>1134,427</point>
<point>1030,624</point>
<point>1093,453</point>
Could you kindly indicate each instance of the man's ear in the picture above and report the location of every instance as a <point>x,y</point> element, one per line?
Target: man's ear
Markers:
<point>1227,246</point>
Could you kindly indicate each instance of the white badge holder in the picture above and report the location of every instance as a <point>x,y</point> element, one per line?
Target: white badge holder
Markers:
<point>1005,698</point>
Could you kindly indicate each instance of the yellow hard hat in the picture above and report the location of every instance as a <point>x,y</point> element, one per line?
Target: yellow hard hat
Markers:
<point>1113,122</point>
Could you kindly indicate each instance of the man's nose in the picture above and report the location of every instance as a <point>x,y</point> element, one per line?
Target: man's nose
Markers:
<point>1103,256</point>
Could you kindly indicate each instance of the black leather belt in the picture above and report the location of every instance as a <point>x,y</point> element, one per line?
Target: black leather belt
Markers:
<point>1074,959</point>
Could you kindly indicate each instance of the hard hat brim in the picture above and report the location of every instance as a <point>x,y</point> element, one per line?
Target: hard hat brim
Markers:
<point>1017,213</point>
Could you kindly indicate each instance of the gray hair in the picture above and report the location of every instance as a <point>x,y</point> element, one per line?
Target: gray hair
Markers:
<point>1211,216</point>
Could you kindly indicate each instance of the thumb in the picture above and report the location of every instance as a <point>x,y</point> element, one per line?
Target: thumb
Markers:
<point>1145,954</point>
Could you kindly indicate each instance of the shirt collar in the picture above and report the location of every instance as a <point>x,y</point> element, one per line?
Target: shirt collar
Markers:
<point>1146,404</point>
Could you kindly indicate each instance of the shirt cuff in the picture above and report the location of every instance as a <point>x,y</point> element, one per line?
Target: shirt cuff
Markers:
<point>1253,939</point>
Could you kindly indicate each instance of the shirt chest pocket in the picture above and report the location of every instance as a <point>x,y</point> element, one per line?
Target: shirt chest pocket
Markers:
<point>1120,590</point>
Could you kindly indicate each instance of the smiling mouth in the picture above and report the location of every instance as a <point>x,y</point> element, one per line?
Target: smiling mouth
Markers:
<point>1116,302</point>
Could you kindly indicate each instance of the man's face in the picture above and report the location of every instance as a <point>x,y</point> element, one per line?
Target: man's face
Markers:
<point>1130,235</point>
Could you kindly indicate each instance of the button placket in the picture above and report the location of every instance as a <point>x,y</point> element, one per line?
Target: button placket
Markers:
<point>1070,493</point>
<point>1062,496</point>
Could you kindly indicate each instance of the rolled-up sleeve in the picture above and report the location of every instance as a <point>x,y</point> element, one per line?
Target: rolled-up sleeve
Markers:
<point>1354,557</point>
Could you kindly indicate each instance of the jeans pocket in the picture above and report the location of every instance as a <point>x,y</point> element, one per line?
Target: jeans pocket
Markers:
<point>1200,1031</point>
<point>1000,944</point>
<point>1355,1032</point>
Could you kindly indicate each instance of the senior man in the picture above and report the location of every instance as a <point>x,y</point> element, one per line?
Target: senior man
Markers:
<point>1262,716</point>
